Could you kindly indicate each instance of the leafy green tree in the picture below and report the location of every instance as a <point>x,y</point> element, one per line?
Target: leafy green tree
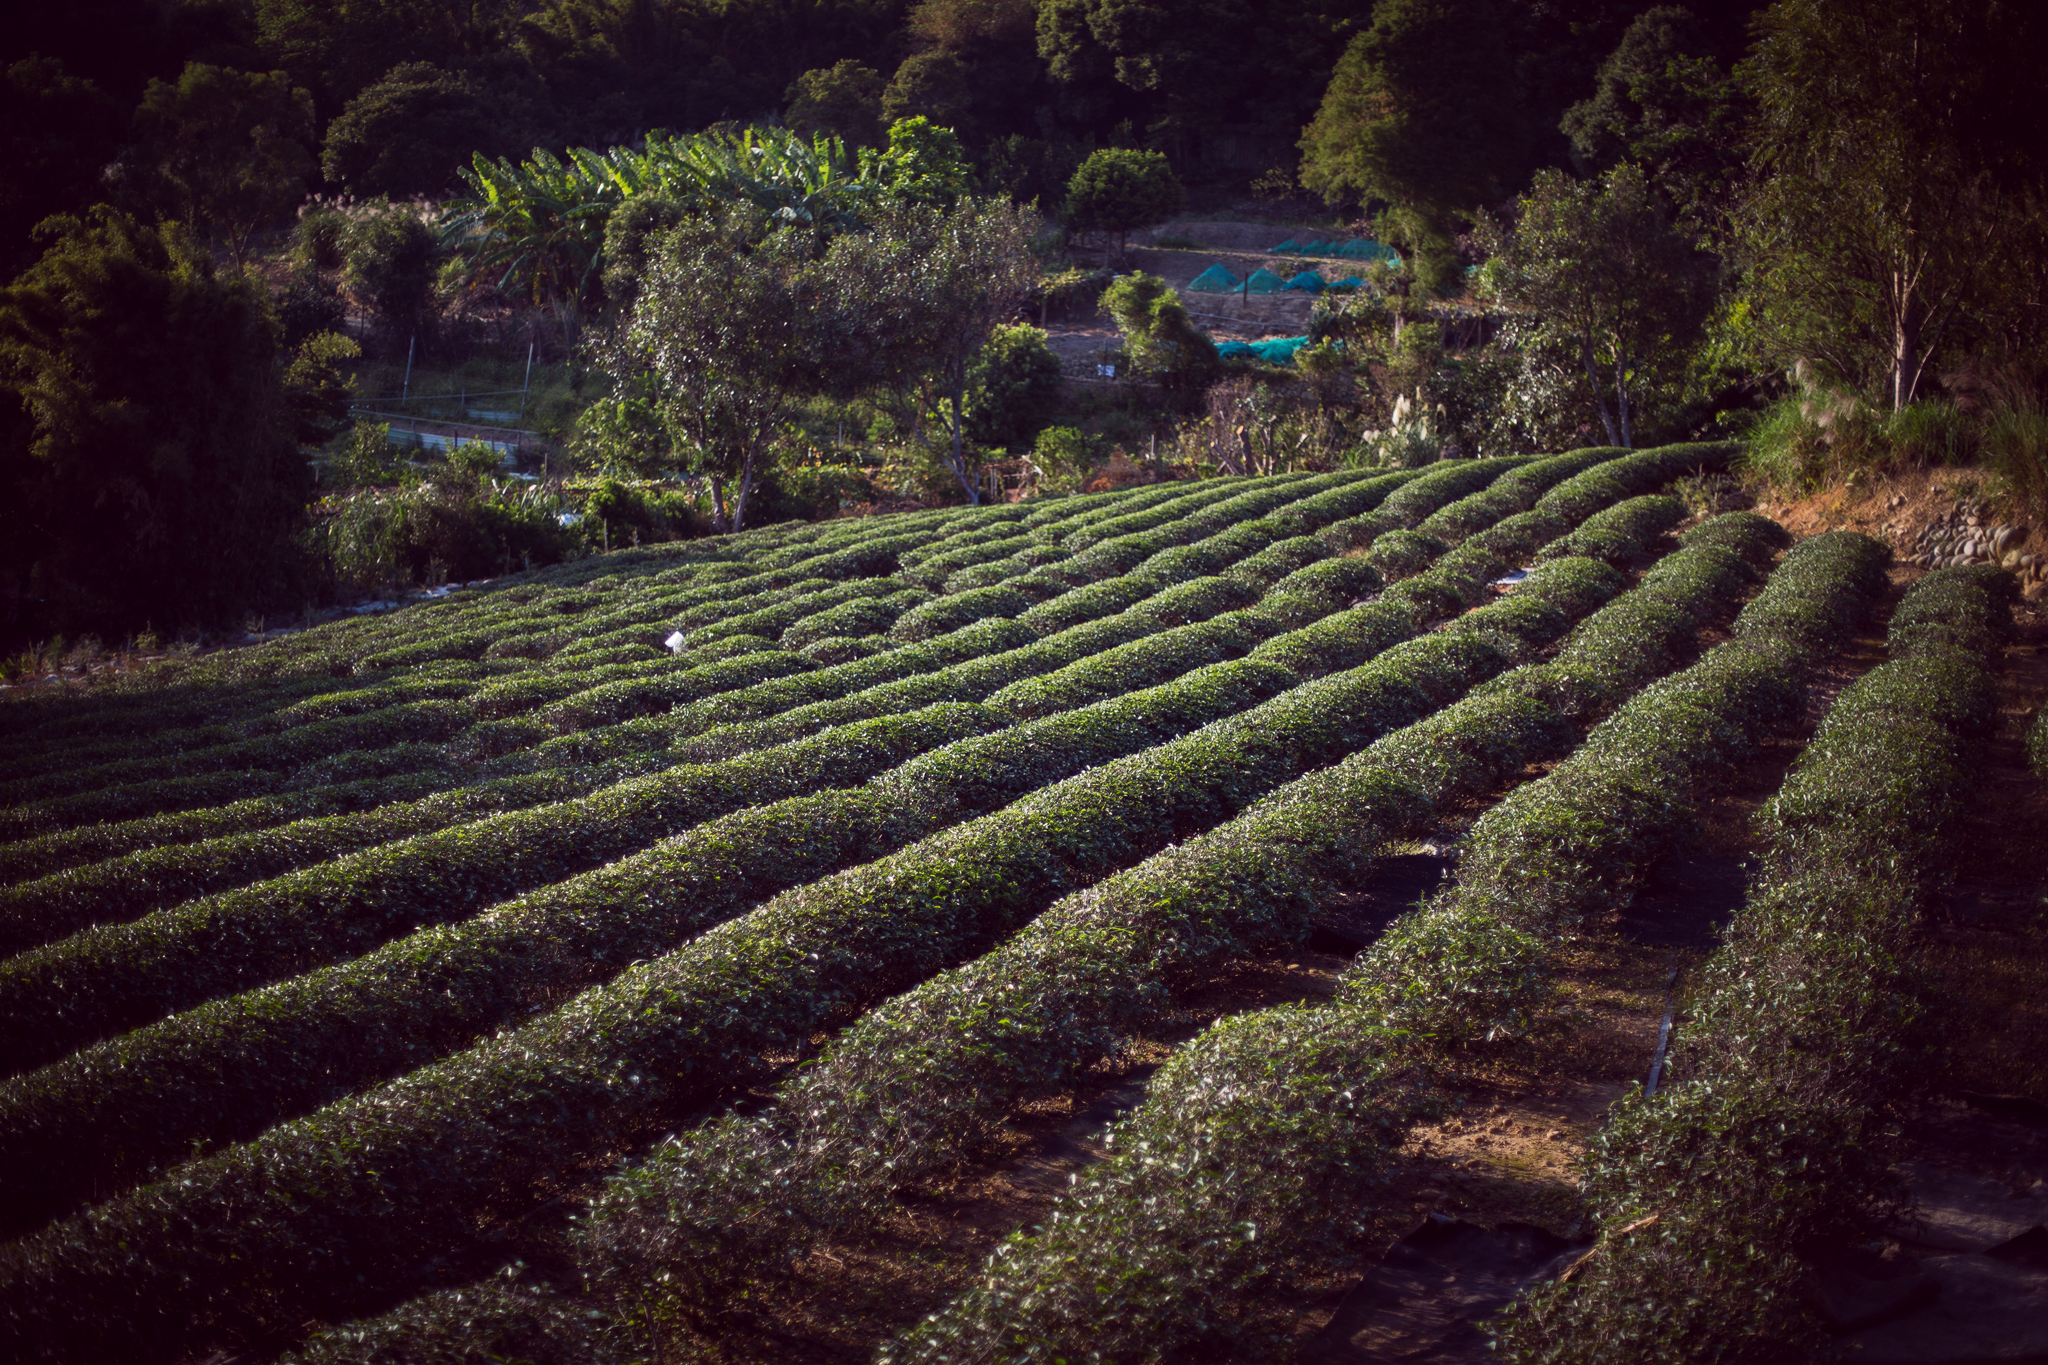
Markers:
<point>536,230</point>
<point>1030,170</point>
<point>225,150</point>
<point>844,101</point>
<point>1899,178</point>
<point>1613,284</point>
<point>1189,72</point>
<point>149,472</point>
<point>624,432</point>
<point>933,85</point>
<point>389,260</point>
<point>1666,101</point>
<point>319,387</point>
<point>972,26</point>
<point>339,47</point>
<point>1013,388</point>
<point>409,134</point>
<point>920,296</point>
<point>1158,333</point>
<point>923,164</point>
<point>1419,114</point>
<point>1118,189</point>
<point>733,332</point>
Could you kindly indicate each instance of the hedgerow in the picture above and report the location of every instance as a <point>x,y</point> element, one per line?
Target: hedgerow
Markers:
<point>1117,678</point>
<point>138,799</point>
<point>869,616</point>
<point>1204,564</point>
<point>1040,752</point>
<point>420,720</point>
<point>123,888</point>
<point>1622,532</point>
<point>734,708</point>
<point>26,859</point>
<point>922,685</point>
<point>916,1081</point>
<point>942,615</point>
<point>1805,1037</point>
<point>110,978</point>
<point>450,1136</point>
<point>1237,1124</point>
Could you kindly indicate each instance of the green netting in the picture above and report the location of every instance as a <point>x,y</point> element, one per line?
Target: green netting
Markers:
<point>1273,350</point>
<point>1263,281</point>
<point>1359,249</point>
<point>1350,284</point>
<point>1290,245</point>
<point>1215,280</point>
<point>1308,280</point>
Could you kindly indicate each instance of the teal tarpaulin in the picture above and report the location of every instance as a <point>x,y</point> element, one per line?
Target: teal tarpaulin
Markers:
<point>1273,350</point>
<point>1215,280</point>
<point>1360,249</point>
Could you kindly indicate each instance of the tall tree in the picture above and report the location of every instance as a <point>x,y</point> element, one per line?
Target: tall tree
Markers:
<point>1161,338</point>
<point>920,296</point>
<point>410,133</point>
<point>1899,176</point>
<point>1118,189</point>
<point>733,327</point>
<point>1190,72</point>
<point>1665,99</point>
<point>226,151</point>
<point>57,134</point>
<point>1613,284</point>
<point>842,101</point>
<point>1419,114</point>
<point>152,474</point>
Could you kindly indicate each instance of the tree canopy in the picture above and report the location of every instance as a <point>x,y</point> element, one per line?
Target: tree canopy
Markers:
<point>1899,177</point>
<point>1119,189</point>
<point>226,150</point>
<point>1419,111</point>
<point>154,475</point>
<point>1612,284</point>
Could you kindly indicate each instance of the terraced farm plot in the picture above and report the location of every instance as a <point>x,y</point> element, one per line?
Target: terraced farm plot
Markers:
<point>335,959</point>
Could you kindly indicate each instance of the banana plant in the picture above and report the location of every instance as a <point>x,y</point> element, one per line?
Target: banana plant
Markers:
<point>539,224</point>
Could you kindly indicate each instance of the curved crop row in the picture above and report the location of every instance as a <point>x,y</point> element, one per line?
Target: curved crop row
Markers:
<point>127,1085</point>
<point>914,1082</point>
<point>441,1144</point>
<point>419,720</point>
<point>124,888</point>
<point>918,778</point>
<point>844,681</point>
<point>780,712</point>
<point>917,1077</point>
<point>1242,1125</point>
<point>1623,531</point>
<point>104,980</point>
<point>39,856</point>
<point>204,790</point>
<point>1771,1141</point>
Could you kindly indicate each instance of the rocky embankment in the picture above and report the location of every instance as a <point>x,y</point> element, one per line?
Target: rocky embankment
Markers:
<point>1966,534</point>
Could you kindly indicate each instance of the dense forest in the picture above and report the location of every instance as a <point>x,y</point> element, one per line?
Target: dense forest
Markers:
<point>1815,226</point>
